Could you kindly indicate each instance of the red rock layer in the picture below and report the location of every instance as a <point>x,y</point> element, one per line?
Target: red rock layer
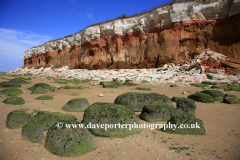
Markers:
<point>176,43</point>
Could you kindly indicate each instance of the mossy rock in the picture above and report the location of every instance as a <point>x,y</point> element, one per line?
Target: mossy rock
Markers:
<point>74,87</point>
<point>231,100</point>
<point>14,101</point>
<point>201,97</point>
<point>11,92</point>
<point>136,101</point>
<point>173,85</point>
<point>69,142</point>
<point>129,84</point>
<point>156,112</point>
<point>232,88</point>
<point>175,99</point>
<point>144,81</point>
<point>17,118</point>
<point>41,88</point>
<point>20,80</point>
<point>230,95</point>
<point>10,84</point>
<point>44,97</point>
<point>111,114</point>
<point>76,105</point>
<point>192,123</point>
<point>217,95</point>
<point>220,86</point>
<point>143,89</point>
<point>46,119</point>
<point>186,104</point>
<point>210,83</point>
<point>32,132</point>
<point>199,85</point>
<point>86,80</point>
<point>109,85</point>
<point>61,81</point>
<point>74,81</point>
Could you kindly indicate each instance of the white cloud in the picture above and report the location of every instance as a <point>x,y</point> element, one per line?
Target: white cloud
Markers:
<point>89,15</point>
<point>14,43</point>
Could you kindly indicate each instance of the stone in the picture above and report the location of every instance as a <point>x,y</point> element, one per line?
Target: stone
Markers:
<point>41,88</point>
<point>201,97</point>
<point>69,142</point>
<point>156,112</point>
<point>32,132</point>
<point>44,97</point>
<point>11,92</point>
<point>100,95</point>
<point>187,119</point>
<point>14,101</point>
<point>231,100</point>
<point>76,105</point>
<point>217,95</point>
<point>186,104</point>
<point>136,101</point>
<point>215,76</point>
<point>106,113</point>
<point>17,118</point>
<point>216,71</point>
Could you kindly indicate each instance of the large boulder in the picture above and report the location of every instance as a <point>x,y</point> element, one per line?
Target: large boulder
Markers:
<point>10,84</point>
<point>191,124</point>
<point>136,101</point>
<point>76,105</point>
<point>32,132</point>
<point>156,112</point>
<point>41,88</point>
<point>14,101</point>
<point>17,118</point>
<point>217,95</point>
<point>231,100</point>
<point>11,92</point>
<point>113,117</point>
<point>20,80</point>
<point>201,97</point>
<point>44,97</point>
<point>69,142</point>
<point>186,104</point>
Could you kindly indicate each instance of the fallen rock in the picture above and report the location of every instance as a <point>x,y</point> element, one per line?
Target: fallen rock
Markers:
<point>216,71</point>
<point>201,97</point>
<point>41,88</point>
<point>110,114</point>
<point>136,101</point>
<point>217,95</point>
<point>69,142</point>
<point>17,118</point>
<point>76,105</point>
<point>156,112</point>
<point>32,132</point>
<point>186,104</point>
<point>11,92</point>
<point>215,76</point>
<point>14,101</point>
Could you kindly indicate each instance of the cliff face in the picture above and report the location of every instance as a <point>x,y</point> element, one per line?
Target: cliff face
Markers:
<point>173,33</point>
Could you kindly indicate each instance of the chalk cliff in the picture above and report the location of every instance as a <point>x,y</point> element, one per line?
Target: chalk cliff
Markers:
<point>172,33</point>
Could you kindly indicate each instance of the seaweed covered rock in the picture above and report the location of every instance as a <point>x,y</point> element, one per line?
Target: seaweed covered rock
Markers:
<point>143,89</point>
<point>136,101</point>
<point>231,100</point>
<point>10,84</point>
<point>11,92</point>
<point>61,81</point>
<point>210,83</point>
<point>217,95</point>
<point>186,105</point>
<point>201,97</point>
<point>20,80</point>
<point>32,132</point>
<point>219,86</point>
<point>17,118</point>
<point>76,105</point>
<point>112,116</point>
<point>109,85</point>
<point>156,112</point>
<point>46,119</point>
<point>175,99</point>
<point>41,88</point>
<point>14,101</point>
<point>44,97</point>
<point>69,142</point>
<point>199,85</point>
<point>230,95</point>
<point>232,88</point>
<point>190,124</point>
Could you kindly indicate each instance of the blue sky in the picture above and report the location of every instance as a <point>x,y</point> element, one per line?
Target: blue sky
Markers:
<point>28,23</point>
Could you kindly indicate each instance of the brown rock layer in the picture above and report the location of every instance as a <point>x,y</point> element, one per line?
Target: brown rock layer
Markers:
<point>149,48</point>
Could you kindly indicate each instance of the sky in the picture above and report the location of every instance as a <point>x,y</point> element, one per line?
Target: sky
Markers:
<point>28,23</point>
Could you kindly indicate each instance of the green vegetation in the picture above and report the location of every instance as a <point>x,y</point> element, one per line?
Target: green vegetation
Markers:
<point>74,94</point>
<point>186,104</point>
<point>69,142</point>
<point>144,81</point>
<point>61,81</point>
<point>217,95</point>
<point>199,85</point>
<point>210,83</point>
<point>11,92</point>
<point>231,100</point>
<point>44,97</point>
<point>74,87</point>
<point>41,88</point>
<point>175,99</point>
<point>201,97</point>
<point>76,105</point>
<point>14,101</point>
<point>107,113</point>
<point>136,101</point>
<point>17,118</point>
<point>143,88</point>
<point>178,149</point>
